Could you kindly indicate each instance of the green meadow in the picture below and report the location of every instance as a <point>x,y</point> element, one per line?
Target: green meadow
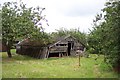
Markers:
<point>66,67</point>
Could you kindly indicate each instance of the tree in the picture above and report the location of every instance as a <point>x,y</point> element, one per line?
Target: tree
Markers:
<point>20,22</point>
<point>112,19</point>
<point>105,36</point>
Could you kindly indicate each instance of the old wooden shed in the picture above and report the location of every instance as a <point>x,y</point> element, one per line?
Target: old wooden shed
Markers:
<point>65,46</point>
<point>31,48</point>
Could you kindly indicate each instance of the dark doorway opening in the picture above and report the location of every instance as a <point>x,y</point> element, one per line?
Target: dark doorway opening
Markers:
<point>69,48</point>
<point>53,55</point>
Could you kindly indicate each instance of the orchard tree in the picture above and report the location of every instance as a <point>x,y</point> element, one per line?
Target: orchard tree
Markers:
<point>20,22</point>
<point>112,28</point>
<point>96,37</point>
<point>105,37</point>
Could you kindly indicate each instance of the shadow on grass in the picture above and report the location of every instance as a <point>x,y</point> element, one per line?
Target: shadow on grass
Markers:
<point>53,58</point>
<point>17,57</point>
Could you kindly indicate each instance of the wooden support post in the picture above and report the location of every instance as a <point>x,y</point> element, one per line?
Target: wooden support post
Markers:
<point>62,55</point>
<point>47,54</point>
<point>79,55</point>
<point>79,59</point>
<point>67,53</point>
<point>59,54</point>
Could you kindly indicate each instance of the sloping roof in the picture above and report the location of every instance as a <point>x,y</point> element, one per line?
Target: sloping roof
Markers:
<point>28,42</point>
<point>74,39</point>
<point>58,40</point>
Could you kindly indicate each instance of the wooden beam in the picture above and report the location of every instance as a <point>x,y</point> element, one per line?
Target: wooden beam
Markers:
<point>59,54</point>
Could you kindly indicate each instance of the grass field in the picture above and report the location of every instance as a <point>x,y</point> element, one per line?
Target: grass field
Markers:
<point>67,67</point>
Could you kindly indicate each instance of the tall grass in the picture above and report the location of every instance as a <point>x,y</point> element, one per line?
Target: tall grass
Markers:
<point>66,67</point>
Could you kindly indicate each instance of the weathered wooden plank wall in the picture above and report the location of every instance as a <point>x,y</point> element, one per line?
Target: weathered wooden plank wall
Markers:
<point>32,51</point>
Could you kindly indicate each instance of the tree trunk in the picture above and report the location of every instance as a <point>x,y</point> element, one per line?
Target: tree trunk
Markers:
<point>9,52</point>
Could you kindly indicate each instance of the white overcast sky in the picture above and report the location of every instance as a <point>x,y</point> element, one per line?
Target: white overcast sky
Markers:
<point>67,13</point>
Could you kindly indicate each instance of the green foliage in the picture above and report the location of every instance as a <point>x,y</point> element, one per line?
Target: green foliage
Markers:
<point>96,39</point>
<point>113,40</point>
<point>20,22</point>
<point>105,37</point>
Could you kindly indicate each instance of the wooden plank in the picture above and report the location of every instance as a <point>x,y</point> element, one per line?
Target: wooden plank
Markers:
<point>59,54</point>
